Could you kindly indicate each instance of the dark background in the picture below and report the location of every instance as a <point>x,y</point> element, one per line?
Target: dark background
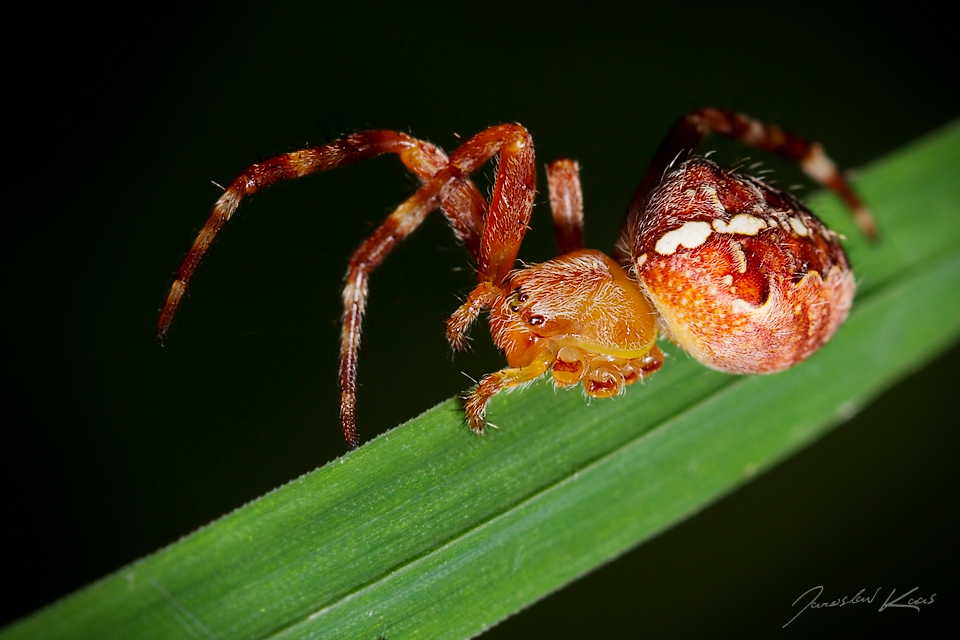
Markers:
<point>117,446</point>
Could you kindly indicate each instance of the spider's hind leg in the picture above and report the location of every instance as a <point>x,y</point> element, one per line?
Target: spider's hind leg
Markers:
<point>690,130</point>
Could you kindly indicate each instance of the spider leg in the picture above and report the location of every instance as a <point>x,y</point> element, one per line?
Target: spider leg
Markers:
<point>566,204</point>
<point>366,258</point>
<point>475,405</point>
<point>464,206</point>
<point>507,215</point>
<point>502,232</point>
<point>512,202</point>
<point>689,131</point>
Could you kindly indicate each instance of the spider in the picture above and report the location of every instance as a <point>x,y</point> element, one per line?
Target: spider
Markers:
<point>739,274</point>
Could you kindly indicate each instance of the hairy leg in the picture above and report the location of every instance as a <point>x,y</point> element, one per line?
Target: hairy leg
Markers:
<point>566,204</point>
<point>507,216</point>
<point>475,404</point>
<point>689,131</point>
<point>503,228</point>
<point>464,206</point>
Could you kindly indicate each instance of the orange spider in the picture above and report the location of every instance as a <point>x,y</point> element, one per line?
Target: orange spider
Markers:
<point>739,274</point>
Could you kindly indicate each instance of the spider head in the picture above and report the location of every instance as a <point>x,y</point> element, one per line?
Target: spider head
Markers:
<point>517,323</point>
<point>581,301</point>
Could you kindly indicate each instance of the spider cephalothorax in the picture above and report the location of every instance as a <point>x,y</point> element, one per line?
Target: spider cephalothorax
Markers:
<point>578,316</point>
<point>738,273</point>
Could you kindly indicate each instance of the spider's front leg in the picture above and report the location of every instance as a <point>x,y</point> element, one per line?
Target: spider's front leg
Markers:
<point>463,207</point>
<point>506,221</point>
<point>454,193</point>
<point>499,238</point>
<point>475,404</point>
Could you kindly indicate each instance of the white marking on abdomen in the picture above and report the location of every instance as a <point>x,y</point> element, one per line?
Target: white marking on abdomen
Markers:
<point>690,235</point>
<point>742,223</point>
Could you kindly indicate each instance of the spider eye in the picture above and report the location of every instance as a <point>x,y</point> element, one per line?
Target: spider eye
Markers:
<point>518,297</point>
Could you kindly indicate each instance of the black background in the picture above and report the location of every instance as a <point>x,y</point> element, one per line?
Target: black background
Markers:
<point>116,446</point>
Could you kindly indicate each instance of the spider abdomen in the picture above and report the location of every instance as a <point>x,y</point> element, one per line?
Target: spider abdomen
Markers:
<point>743,276</point>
